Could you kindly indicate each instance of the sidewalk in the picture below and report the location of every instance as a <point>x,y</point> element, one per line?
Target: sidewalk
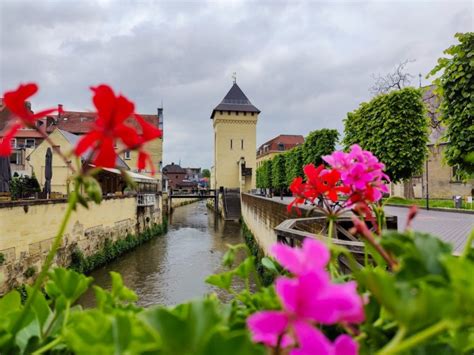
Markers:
<point>451,227</point>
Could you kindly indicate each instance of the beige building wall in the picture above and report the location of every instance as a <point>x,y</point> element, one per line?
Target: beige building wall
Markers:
<point>154,148</point>
<point>234,138</point>
<point>25,244</point>
<point>61,173</point>
<point>442,183</point>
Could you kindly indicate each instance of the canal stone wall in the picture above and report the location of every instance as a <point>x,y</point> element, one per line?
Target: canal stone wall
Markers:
<point>28,228</point>
<point>261,216</point>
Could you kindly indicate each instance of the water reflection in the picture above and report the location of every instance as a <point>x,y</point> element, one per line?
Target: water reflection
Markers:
<point>171,269</point>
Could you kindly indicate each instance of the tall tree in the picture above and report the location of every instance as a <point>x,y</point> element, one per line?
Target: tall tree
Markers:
<point>319,143</point>
<point>267,174</point>
<point>279,173</point>
<point>294,164</point>
<point>206,173</point>
<point>456,85</point>
<point>395,128</point>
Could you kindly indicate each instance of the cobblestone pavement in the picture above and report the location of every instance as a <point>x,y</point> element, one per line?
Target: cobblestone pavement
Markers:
<point>451,227</point>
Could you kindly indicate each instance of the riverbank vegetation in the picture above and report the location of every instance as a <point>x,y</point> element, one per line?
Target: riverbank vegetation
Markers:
<point>113,249</point>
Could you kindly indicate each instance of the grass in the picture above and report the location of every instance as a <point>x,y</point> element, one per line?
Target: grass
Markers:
<point>422,203</point>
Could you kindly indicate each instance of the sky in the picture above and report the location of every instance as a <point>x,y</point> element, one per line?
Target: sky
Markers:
<point>304,64</point>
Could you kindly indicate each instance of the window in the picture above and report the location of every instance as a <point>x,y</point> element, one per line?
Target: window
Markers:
<point>237,113</point>
<point>30,143</point>
<point>13,143</point>
<point>231,144</point>
<point>242,144</point>
<point>281,146</point>
<point>15,158</point>
<point>127,155</point>
<point>245,113</point>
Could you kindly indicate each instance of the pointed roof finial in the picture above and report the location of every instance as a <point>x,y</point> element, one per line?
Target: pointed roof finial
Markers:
<point>234,77</point>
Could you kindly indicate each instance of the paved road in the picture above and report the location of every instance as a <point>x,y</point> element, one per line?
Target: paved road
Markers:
<point>451,227</point>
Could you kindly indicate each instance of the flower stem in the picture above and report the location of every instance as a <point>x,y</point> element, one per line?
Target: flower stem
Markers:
<point>48,261</point>
<point>48,346</point>
<point>416,339</point>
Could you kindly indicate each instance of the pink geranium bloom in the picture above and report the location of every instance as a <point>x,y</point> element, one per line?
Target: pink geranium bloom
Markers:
<point>312,256</point>
<point>309,298</point>
<point>312,341</point>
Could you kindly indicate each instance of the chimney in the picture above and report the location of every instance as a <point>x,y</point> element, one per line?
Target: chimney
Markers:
<point>60,110</point>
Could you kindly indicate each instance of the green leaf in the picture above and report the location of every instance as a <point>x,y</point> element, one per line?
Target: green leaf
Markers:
<point>222,280</point>
<point>269,265</point>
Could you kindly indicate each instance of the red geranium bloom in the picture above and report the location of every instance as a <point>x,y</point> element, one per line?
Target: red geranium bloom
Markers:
<point>15,101</point>
<point>314,184</point>
<point>112,111</point>
<point>330,180</point>
<point>298,189</point>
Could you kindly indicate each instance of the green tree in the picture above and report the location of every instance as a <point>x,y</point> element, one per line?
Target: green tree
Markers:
<point>294,164</point>
<point>267,174</point>
<point>279,173</point>
<point>259,182</point>
<point>456,86</point>
<point>394,127</point>
<point>206,173</point>
<point>319,143</point>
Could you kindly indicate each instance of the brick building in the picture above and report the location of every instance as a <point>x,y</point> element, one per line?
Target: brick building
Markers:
<point>276,146</point>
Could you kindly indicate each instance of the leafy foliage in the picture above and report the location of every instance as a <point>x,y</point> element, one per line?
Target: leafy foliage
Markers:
<point>394,128</point>
<point>279,172</point>
<point>266,174</point>
<point>319,143</point>
<point>206,173</point>
<point>456,85</point>
<point>24,186</point>
<point>429,278</point>
<point>294,164</point>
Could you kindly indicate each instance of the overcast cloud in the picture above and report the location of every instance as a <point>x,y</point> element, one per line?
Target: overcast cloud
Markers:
<point>303,64</point>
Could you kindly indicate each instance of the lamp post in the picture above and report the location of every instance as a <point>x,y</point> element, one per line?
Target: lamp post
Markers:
<point>427,186</point>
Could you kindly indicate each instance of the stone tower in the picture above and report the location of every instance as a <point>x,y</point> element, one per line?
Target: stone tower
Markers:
<point>235,141</point>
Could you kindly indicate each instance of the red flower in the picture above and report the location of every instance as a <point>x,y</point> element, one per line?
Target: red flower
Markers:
<point>314,186</point>
<point>112,111</point>
<point>323,182</point>
<point>15,101</point>
<point>298,189</point>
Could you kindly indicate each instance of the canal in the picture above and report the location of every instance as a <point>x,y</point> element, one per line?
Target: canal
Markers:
<point>171,268</point>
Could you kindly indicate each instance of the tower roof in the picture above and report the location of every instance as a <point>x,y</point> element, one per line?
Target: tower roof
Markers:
<point>235,100</point>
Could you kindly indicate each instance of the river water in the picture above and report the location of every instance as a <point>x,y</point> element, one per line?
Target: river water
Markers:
<point>171,268</point>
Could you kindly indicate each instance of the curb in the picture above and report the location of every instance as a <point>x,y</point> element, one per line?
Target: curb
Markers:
<point>439,209</point>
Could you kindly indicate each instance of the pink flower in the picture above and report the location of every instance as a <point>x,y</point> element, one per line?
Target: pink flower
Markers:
<point>308,298</point>
<point>362,172</point>
<point>312,256</point>
<point>312,341</point>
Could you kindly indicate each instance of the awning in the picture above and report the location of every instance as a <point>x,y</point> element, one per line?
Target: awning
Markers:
<point>134,176</point>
